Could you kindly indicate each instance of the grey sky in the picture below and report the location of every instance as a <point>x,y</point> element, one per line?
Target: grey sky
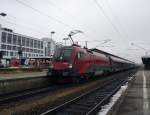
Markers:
<point>122,21</point>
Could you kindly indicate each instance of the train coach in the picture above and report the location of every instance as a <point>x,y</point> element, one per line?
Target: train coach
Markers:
<point>73,63</point>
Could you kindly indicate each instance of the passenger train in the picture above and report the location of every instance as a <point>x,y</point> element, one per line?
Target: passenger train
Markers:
<point>73,63</point>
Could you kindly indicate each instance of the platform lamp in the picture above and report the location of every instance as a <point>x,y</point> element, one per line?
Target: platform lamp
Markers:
<point>52,32</point>
<point>65,39</point>
<point>20,52</point>
<point>3,14</point>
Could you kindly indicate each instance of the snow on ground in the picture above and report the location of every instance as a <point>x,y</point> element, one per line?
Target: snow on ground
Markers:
<point>113,100</point>
<point>115,97</point>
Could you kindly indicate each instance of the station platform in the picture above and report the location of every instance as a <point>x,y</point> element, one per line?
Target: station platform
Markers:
<point>136,99</point>
<point>15,82</point>
<point>22,75</point>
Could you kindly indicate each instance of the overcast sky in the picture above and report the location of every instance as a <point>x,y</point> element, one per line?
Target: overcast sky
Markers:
<point>121,22</point>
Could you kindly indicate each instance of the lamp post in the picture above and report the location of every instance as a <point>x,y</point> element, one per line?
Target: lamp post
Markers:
<point>65,39</point>
<point>3,14</point>
<point>20,53</point>
<point>52,32</point>
<point>50,44</point>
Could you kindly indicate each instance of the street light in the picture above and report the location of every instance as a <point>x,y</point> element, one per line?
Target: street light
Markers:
<point>1,52</point>
<point>3,14</point>
<point>65,39</point>
<point>52,32</point>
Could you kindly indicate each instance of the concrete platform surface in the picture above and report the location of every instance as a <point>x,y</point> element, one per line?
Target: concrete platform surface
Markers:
<point>22,75</point>
<point>137,98</point>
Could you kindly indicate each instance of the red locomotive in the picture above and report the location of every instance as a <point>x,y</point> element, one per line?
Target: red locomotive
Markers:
<point>73,63</point>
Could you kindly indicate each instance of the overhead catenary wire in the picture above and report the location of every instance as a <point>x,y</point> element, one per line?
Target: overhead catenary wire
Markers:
<point>44,14</point>
<point>116,18</point>
<point>51,17</point>
<point>107,17</point>
<point>69,14</point>
<point>23,26</point>
<point>22,20</point>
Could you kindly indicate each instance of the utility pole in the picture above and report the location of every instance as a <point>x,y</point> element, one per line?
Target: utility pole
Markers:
<point>50,44</point>
<point>65,39</point>
<point>52,32</point>
<point>86,44</point>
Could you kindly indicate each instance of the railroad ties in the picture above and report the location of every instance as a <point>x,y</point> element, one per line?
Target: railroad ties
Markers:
<point>91,102</point>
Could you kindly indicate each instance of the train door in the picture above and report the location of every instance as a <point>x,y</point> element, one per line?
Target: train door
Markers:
<point>79,62</point>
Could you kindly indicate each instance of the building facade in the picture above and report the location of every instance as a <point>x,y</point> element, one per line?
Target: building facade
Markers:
<point>49,46</point>
<point>11,43</point>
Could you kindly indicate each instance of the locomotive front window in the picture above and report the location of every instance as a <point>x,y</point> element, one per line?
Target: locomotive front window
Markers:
<point>63,54</point>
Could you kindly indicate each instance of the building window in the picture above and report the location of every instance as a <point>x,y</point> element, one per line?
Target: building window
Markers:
<point>4,53</point>
<point>14,39</point>
<point>35,51</point>
<point>35,43</point>
<point>27,42</point>
<point>23,41</point>
<point>4,37</point>
<point>23,49</point>
<point>3,46</point>
<point>27,49</point>
<point>11,54</point>
<point>17,48</point>
<point>14,48</point>
<point>9,39</point>
<point>7,53</point>
<point>19,40</point>
<point>31,50</point>
<point>8,47</point>
<point>31,43</point>
<point>16,53</point>
<point>41,45</point>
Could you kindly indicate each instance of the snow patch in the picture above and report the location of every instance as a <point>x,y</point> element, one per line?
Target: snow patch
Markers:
<point>113,100</point>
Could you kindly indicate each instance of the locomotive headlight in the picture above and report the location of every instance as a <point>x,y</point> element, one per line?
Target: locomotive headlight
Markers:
<point>70,66</point>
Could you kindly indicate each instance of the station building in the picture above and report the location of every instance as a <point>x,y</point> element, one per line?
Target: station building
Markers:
<point>11,43</point>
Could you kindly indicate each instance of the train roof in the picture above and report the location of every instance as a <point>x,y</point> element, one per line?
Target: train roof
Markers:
<point>100,51</point>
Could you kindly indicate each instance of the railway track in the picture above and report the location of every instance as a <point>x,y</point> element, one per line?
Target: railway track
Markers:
<point>16,96</point>
<point>90,102</point>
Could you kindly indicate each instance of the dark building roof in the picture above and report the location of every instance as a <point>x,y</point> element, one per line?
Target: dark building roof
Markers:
<point>146,60</point>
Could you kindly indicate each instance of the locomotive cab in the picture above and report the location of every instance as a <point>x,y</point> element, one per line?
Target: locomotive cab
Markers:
<point>62,64</point>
